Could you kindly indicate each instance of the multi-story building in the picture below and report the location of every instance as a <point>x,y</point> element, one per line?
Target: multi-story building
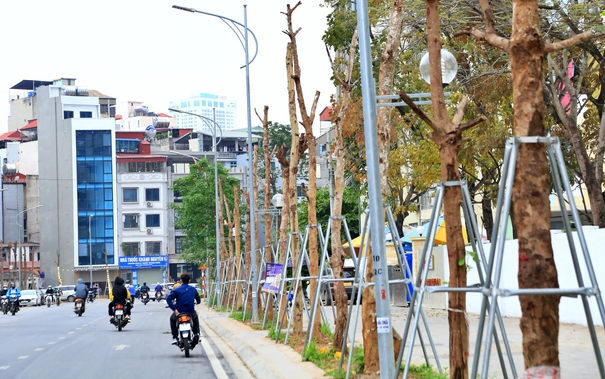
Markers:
<point>214,107</point>
<point>105,185</point>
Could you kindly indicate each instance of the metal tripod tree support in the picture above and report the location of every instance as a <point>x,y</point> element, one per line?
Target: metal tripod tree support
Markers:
<point>491,292</point>
<point>421,288</point>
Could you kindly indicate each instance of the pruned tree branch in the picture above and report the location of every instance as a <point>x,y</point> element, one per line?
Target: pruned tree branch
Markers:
<point>578,38</point>
<point>419,112</point>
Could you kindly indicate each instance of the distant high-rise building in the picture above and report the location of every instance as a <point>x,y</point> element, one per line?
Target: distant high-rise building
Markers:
<point>217,107</point>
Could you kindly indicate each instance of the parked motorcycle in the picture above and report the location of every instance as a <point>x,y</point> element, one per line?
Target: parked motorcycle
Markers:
<point>119,317</point>
<point>13,304</point>
<point>78,307</point>
<point>4,304</point>
<point>186,338</point>
<point>145,297</point>
<point>48,300</point>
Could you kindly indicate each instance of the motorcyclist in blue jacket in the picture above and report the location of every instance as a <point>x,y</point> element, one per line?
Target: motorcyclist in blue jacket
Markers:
<point>81,292</point>
<point>14,293</point>
<point>186,296</point>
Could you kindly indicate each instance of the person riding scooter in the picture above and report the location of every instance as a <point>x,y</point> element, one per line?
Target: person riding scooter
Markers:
<point>186,297</point>
<point>81,292</point>
<point>119,295</point>
<point>158,291</point>
<point>51,292</point>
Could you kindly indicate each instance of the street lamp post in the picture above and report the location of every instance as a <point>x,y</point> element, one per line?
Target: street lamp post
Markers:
<point>215,125</point>
<point>21,237</point>
<point>90,246</point>
<point>235,27</point>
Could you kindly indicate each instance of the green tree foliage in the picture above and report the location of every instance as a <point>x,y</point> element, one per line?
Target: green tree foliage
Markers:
<point>350,209</point>
<point>195,215</point>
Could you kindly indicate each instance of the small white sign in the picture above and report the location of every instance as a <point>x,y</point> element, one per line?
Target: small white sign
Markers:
<point>253,294</point>
<point>382,325</point>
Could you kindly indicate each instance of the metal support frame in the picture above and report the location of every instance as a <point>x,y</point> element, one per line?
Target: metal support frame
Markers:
<point>421,288</point>
<point>492,292</point>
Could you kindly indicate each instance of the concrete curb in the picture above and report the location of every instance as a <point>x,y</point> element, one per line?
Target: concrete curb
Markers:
<point>262,356</point>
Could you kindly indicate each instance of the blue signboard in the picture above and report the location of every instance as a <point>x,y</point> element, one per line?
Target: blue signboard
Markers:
<point>147,261</point>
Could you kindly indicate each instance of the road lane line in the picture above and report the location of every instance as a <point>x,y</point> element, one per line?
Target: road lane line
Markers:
<point>39,349</point>
<point>61,338</point>
<point>4,367</point>
<point>23,357</point>
<point>70,332</point>
<point>51,343</point>
<point>214,362</point>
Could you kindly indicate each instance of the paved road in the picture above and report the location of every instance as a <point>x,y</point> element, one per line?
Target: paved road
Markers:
<point>54,342</point>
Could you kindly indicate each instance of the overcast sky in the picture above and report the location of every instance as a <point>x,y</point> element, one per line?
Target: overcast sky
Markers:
<point>143,50</point>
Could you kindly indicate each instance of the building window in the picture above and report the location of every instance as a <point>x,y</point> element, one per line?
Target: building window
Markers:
<point>153,248</point>
<point>68,114</point>
<point>152,194</point>
<point>130,249</point>
<point>178,245</point>
<point>85,114</point>
<point>130,195</point>
<point>152,221</point>
<point>131,221</point>
<point>146,166</point>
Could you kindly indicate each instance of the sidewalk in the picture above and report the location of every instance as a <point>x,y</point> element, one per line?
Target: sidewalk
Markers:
<point>266,359</point>
<point>261,355</point>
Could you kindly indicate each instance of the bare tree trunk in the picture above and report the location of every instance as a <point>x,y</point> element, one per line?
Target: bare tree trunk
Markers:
<point>238,242</point>
<point>283,227</point>
<point>297,327</point>
<point>339,118</point>
<point>267,190</point>
<point>247,257</point>
<point>531,210</point>
<point>307,122</point>
<point>598,160</point>
<point>540,314</point>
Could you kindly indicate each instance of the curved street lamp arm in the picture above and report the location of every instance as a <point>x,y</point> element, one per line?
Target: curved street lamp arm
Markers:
<point>237,32</point>
<point>208,121</point>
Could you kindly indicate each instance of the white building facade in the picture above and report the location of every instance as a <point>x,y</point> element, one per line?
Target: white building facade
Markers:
<point>215,107</point>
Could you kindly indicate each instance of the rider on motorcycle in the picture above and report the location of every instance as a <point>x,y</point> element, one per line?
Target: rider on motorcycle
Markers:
<point>14,291</point>
<point>144,289</point>
<point>119,294</point>
<point>81,292</point>
<point>51,292</point>
<point>158,289</point>
<point>186,296</point>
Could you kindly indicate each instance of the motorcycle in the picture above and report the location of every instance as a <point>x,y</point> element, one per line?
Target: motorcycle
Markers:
<point>145,297</point>
<point>91,297</point>
<point>79,307</point>
<point>58,297</point>
<point>186,339</point>
<point>48,299</point>
<point>4,304</point>
<point>119,317</point>
<point>13,306</point>
<point>158,296</point>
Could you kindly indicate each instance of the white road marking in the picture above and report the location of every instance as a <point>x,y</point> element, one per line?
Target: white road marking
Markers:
<point>78,328</point>
<point>61,338</point>
<point>121,347</point>
<point>23,357</point>
<point>69,333</point>
<point>216,365</point>
<point>39,349</point>
<point>4,367</point>
<point>51,343</point>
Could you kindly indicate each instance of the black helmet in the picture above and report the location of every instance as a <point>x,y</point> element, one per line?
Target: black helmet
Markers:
<point>144,283</point>
<point>12,285</point>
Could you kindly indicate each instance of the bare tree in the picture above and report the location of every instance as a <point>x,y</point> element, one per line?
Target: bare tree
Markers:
<point>526,49</point>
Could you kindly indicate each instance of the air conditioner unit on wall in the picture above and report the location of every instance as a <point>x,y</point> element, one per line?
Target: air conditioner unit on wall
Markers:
<point>149,231</point>
<point>149,204</point>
